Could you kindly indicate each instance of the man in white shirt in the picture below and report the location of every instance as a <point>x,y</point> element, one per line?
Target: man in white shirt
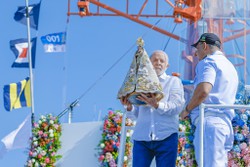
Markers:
<point>216,82</point>
<point>157,123</point>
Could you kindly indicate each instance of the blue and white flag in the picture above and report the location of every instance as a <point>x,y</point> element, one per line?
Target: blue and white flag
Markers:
<point>20,49</point>
<point>55,42</point>
<point>20,15</point>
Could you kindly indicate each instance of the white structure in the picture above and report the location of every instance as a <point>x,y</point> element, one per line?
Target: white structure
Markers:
<point>79,143</point>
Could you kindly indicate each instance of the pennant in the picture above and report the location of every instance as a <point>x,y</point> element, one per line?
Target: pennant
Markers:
<point>55,42</point>
<point>20,49</point>
<point>19,138</point>
<point>17,95</point>
<point>20,15</point>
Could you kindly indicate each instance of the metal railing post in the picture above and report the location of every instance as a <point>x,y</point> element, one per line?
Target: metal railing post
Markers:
<point>122,141</point>
<point>202,107</point>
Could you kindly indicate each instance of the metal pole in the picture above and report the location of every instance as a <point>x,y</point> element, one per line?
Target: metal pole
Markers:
<point>122,141</point>
<point>70,116</point>
<point>226,106</point>
<point>30,62</point>
<point>201,132</point>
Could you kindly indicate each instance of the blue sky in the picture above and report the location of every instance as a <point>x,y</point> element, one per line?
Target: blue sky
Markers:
<point>94,44</point>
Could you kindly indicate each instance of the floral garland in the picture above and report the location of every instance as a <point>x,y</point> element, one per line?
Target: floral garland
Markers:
<point>185,155</point>
<point>239,156</point>
<point>45,142</point>
<point>110,142</point>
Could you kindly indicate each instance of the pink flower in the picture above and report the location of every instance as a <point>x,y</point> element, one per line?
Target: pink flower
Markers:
<point>30,153</point>
<point>47,160</point>
<point>101,157</point>
<point>230,156</point>
<point>35,125</point>
<point>40,133</point>
<point>243,146</point>
<point>110,112</point>
<point>39,156</point>
<point>56,126</point>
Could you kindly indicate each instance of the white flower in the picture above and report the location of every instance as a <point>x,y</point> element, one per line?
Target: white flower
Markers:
<point>51,131</point>
<point>102,145</point>
<point>34,138</point>
<point>129,121</point>
<point>38,149</point>
<point>128,134</point>
<point>119,114</point>
<point>36,164</point>
<point>40,122</point>
<point>43,117</point>
<point>51,135</point>
<point>34,154</point>
<point>33,160</point>
<point>43,152</point>
<point>51,122</point>
<point>125,158</point>
<point>35,143</point>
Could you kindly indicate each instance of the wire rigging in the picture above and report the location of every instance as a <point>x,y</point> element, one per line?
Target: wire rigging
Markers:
<point>75,102</point>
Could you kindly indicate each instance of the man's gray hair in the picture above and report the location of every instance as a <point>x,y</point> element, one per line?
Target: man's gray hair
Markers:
<point>160,52</point>
<point>213,47</point>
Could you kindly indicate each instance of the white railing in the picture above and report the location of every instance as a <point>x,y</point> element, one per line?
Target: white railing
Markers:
<point>123,137</point>
<point>218,106</point>
<point>122,141</point>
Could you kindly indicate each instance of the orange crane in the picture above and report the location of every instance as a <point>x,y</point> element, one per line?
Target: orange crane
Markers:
<point>200,16</point>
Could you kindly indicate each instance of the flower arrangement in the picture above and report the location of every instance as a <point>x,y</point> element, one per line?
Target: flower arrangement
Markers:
<point>185,155</point>
<point>110,142</point>
<point>239,156</point>
<point>45,142</point>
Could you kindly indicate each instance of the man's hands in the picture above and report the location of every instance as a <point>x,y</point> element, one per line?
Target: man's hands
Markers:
<point>126,103</point>
<point>184,114</point>
<point>151,99</point>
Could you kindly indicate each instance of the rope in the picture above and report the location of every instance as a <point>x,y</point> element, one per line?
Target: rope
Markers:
<point>75,102</point>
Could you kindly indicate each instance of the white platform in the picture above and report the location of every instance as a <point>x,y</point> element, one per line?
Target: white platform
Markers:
<point>79,143</point>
